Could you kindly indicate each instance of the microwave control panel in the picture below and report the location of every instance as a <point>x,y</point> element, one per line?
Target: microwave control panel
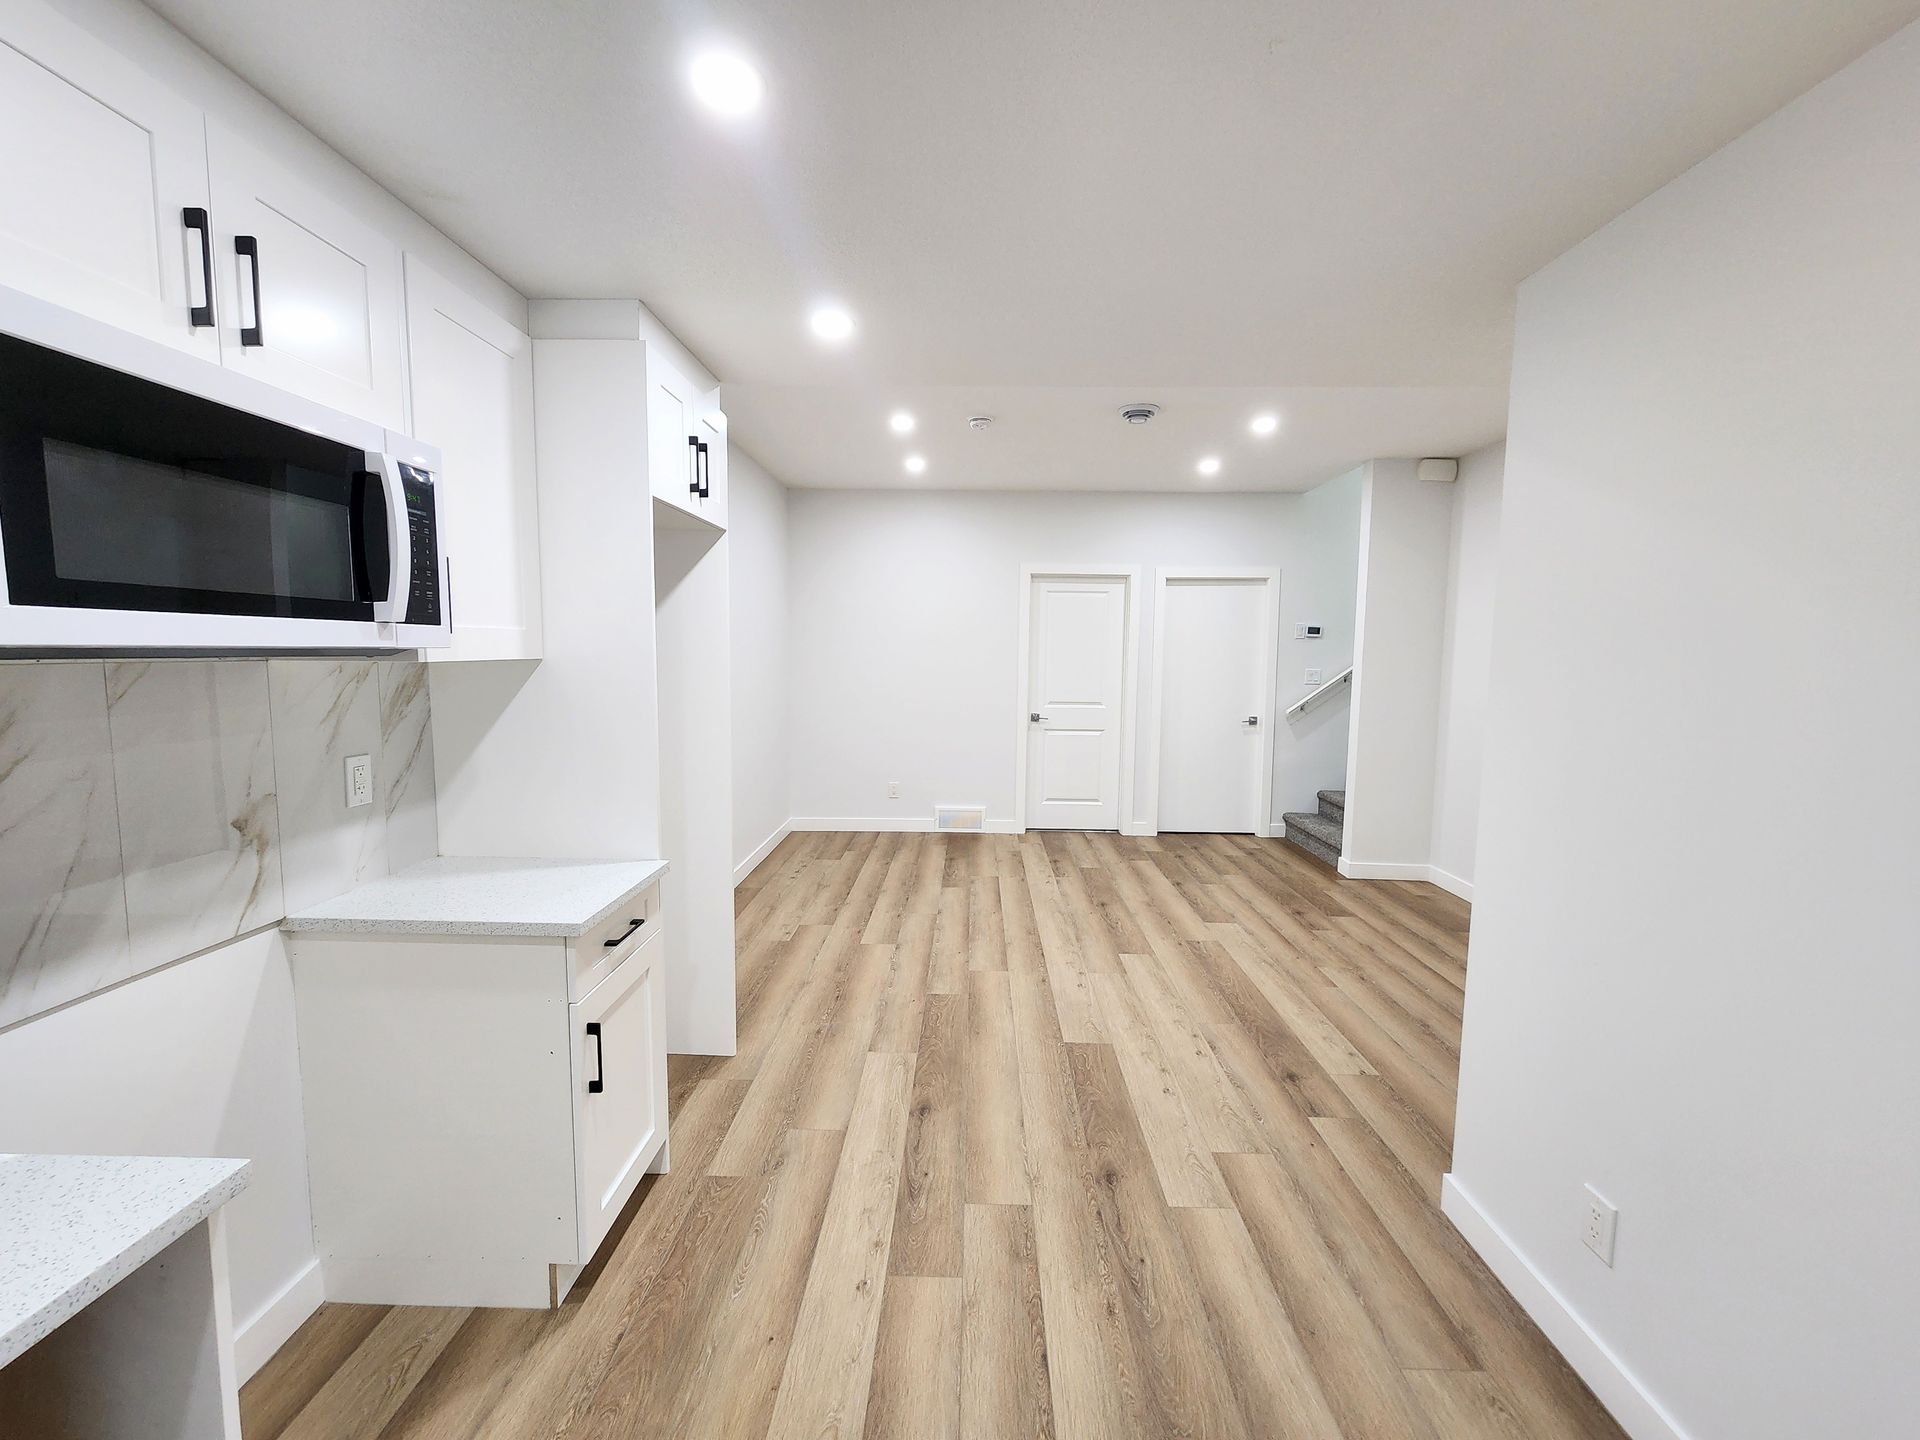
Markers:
<point>423,587</point>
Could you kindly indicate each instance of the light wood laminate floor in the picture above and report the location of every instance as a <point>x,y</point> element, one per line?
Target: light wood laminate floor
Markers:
<point>1060,1135</point>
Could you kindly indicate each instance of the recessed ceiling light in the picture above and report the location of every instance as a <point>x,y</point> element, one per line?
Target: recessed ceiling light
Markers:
<point>900,422</point>
<point>1209,466</point>
<point>725,83</point>
<point>1264,424</point>
<point>916,464</point>
<point>831,323</point>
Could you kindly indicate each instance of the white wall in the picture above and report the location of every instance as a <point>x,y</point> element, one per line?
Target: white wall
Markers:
<point>1696,966</point>
<point>1465,658</point>
<point>197,1059</point>
<point>905,629</point>
<point>1405,523</point>
<point>757,536</point>
<point>506,786</point>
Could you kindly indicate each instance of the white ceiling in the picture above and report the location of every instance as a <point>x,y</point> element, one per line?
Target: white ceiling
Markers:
<point>1054,201</point>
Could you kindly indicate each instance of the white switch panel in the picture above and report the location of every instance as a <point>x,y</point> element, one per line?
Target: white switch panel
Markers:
<point>359,780</point>
<point>893,790</point>
<point>1313,675</point>
<point>1602,1219</point>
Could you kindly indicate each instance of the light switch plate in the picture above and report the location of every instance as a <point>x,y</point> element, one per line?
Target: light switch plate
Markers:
<point>1313,676</point>
<point>359,781</point>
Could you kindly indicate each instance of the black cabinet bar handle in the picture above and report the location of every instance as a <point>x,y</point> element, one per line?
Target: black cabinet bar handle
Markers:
<point>249,246</point>
<point>599,1081</point>
<point>195,218</point>
<point>693,460</point>
<point>705,469</point>
<point>632,925</point>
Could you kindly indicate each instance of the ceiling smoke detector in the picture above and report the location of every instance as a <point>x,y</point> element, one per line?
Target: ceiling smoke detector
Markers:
<point>979,422</point>
<point>1138,414</point>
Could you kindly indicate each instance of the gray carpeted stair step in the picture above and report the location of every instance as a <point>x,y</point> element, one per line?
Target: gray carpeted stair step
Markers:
<point>1333,804</point>
<point>1318,835</point>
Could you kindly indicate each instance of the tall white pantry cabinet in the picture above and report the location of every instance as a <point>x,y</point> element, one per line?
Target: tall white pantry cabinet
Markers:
<point>618,744</point>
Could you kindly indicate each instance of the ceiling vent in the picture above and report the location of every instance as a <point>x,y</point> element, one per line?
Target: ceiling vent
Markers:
<point>979,422</point>
<point>1138,414</point>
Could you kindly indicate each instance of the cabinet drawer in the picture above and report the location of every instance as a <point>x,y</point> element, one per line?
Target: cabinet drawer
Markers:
<point>593,956</point>
<point>619,1040</point>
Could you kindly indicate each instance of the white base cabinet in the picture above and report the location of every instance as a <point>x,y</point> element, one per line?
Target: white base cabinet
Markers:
<point>479,1109</point>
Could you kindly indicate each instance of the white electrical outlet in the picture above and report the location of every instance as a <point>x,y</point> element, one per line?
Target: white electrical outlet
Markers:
<point>893,790</point>
<point>1602,1220</point>
<point>1313,675</point>
<point>359,781</point>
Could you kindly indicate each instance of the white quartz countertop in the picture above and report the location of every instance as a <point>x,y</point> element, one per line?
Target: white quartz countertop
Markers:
<point>74,1226</point>
<point>475,896</point>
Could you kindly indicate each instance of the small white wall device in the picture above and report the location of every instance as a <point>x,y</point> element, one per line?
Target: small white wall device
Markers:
<point>1439,471</point>
<point>1303,631</point>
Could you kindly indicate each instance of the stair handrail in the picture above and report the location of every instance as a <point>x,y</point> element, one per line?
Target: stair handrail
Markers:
<point>1306,703</point>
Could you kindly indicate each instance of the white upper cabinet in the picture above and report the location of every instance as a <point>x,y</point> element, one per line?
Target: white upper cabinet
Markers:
<point>100,167</point>
<point>710,427</point>
<point>472,390</point>
<point>310,296</point>
<point>686,443</point>
<point>672,455</point>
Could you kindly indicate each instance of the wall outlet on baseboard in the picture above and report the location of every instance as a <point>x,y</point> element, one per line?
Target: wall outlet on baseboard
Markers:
<point>1602,1220</point>
<point>893,789</point>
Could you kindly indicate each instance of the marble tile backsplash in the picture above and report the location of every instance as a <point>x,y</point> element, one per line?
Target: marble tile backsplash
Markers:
<point>152,808</point>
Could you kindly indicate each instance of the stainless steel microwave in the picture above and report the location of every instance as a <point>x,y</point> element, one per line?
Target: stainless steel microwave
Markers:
<point>151,501</point>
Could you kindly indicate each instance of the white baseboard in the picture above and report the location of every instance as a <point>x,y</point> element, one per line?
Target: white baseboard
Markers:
<point>1619,1390</point>
<point>1406,870</point>
<point>841,823</point>
<point>1383,870</point>
<point>760,852</point>
<point>273,1324</point>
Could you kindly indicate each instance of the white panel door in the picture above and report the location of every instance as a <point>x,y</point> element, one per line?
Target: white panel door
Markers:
<point>1215,691</point>
<point>471,378</point>
<point>330,311</point>
<point>99,166</point>
<point>1077,660</point>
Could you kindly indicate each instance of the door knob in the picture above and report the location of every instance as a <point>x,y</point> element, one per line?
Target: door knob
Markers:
<point>1035,716</point>
<point>1251,720</point>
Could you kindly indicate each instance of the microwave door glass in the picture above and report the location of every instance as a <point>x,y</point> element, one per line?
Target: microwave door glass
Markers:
<point>223,535</point>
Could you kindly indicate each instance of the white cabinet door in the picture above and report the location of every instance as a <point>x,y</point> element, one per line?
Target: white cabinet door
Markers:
<point>311,297</point>
<point>471,377</point>
<point>672,404</point>
<point>619,1088</point>
<point>711,428</point>
<point>98,167</point>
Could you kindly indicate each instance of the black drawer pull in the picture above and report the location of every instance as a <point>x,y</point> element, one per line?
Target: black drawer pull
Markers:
<point>621,938</point>
<point>599,1081</point>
